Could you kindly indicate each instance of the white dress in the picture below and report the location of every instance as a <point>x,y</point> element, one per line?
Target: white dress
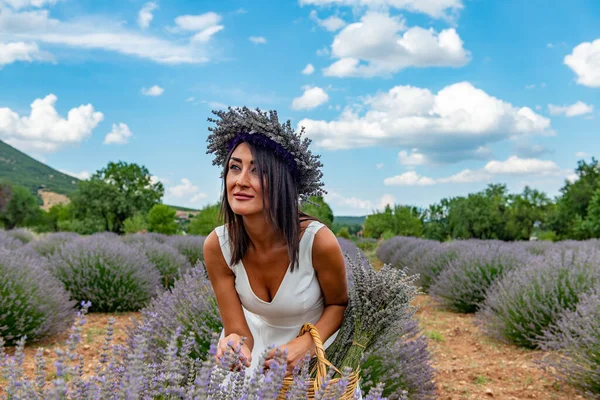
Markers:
<point>298,300</point>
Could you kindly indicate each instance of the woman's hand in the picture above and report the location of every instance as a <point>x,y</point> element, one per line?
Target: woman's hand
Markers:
<point>234,343</point>
<point>296,350</point>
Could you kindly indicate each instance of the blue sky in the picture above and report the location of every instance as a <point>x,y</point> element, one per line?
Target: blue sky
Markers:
<point>407,101</point>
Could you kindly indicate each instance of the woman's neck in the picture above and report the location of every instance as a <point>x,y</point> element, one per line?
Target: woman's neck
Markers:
<point>262,233</point>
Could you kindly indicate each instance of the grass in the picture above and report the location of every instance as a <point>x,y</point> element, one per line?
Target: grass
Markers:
<point>480,380</point>
<point>434,335</point>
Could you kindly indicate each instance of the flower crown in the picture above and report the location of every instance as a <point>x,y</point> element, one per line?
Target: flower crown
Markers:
<point>244,125</point>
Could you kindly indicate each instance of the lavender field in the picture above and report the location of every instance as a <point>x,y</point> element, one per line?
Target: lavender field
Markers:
<point>54,283</point>
<point>535,295</point>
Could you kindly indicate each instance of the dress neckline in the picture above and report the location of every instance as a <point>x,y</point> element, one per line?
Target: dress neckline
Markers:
<point>283,281</point>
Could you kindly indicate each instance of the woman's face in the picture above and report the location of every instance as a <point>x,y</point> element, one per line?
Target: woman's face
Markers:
<point>243,182</point>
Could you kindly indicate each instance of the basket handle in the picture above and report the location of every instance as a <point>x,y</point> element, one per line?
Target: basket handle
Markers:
<point>322,362</point>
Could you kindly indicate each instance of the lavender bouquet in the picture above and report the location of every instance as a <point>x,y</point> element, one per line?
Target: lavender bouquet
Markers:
<point>377,314</point>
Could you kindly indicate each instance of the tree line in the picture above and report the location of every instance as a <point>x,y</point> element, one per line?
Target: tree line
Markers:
<point>122,198</point>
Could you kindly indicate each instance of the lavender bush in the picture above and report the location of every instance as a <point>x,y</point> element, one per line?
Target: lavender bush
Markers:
<point>110,274</point>
<point>575,344</point>
<point>190,306</point>
<point>23,235</point>
<point>462,286</point>
<point>526,301</point>
<point>145,237</point>
<point>123,374</point>
<point>191,246</point>
<point>170,263</point>
<point>48,243</point>
<point>32,302</point>
<point>8,242</point>
<point>404,366</point>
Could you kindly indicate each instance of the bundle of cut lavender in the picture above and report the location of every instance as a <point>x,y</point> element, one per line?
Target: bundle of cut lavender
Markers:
<point>378,311</point>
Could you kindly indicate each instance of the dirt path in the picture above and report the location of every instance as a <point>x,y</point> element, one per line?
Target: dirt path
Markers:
<point>473,366</point>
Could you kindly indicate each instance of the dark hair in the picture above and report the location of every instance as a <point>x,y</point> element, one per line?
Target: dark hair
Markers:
<point>283,211</point>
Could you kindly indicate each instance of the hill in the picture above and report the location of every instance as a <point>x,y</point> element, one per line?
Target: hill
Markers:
<point>46,183</point>
<point>23,170</point>
<point>349,220</point>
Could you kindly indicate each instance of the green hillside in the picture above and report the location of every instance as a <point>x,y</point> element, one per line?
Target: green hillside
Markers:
<point>349,220</point>
<point>21,169</point>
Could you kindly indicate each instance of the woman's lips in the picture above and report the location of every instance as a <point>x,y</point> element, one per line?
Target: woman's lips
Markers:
<point>242,197</point>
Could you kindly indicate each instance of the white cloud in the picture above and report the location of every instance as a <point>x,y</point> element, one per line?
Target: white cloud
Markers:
<point>374,47</point>
<point>309,69</point>
<point>521,166</point>
<point>434,8</point>
<point>379,166</point>
<point>18,4</point>
<point>44,130</point>
<point>331,24</point>
<point>323,52</point>
<point>119,134</point>
<point>584,60</point>
<point>257,39</point>
<point>145,15</point>
<point>414,158</point>
<point>311,98</point>
<point>196,23</point>
<point>455,124</point>
<point>410,178</point>
<point>386,199</point>
<point>155,179</point>
<point>21,51</point>
<point>83,175</point>
<point>153,91</point>
<point>579,108</point>
<point>582,154</point>
<point>186,189</point>
<point>333,197</point>
<point>572,177</point>
<point>98,33</point>
<point>190,99</point>
<point>513,166</point>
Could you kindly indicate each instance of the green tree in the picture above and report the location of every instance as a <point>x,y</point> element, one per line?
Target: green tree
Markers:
<point>590,226</point>
<point>206,220</point>
<point>114,194</point>
<point>161,219</point>
<point>343,233</point>
<point>323,212</point>
<point>526,211</point>
<point>479,215</point>
<point>399,221</point>
<point>135,224</point>
<point>22,208</point>
<point>572,205</point>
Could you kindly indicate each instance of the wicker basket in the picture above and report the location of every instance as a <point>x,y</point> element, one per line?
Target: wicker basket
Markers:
<point>322,366</point>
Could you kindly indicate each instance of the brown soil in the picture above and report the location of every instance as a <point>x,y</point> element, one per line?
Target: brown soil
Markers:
<point>470,365</point>
<point>51,198</point>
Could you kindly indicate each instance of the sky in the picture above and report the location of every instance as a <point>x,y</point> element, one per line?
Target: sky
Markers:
<point>406,101</point>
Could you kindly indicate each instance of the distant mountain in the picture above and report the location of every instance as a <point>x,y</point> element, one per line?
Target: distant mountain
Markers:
<point>20,169</point>
<point>23,170</point>
<point>349,220</point>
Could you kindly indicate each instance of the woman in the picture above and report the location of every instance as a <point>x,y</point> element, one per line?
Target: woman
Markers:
<point>272,267</point>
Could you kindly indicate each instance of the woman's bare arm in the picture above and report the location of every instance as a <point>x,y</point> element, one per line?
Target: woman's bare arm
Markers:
<point>223,283</point>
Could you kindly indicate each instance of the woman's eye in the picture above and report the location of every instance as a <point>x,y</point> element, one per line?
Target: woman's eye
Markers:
<point>233,166</point>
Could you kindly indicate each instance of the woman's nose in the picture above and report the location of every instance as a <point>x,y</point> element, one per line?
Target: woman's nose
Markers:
<point>243,179</point>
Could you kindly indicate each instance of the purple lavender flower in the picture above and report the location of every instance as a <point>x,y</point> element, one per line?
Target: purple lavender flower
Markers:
<point>574,342</point>
<point>462,286</point>
<point>520,306</point>
<point>110,274</point>
<point>32,302</point>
